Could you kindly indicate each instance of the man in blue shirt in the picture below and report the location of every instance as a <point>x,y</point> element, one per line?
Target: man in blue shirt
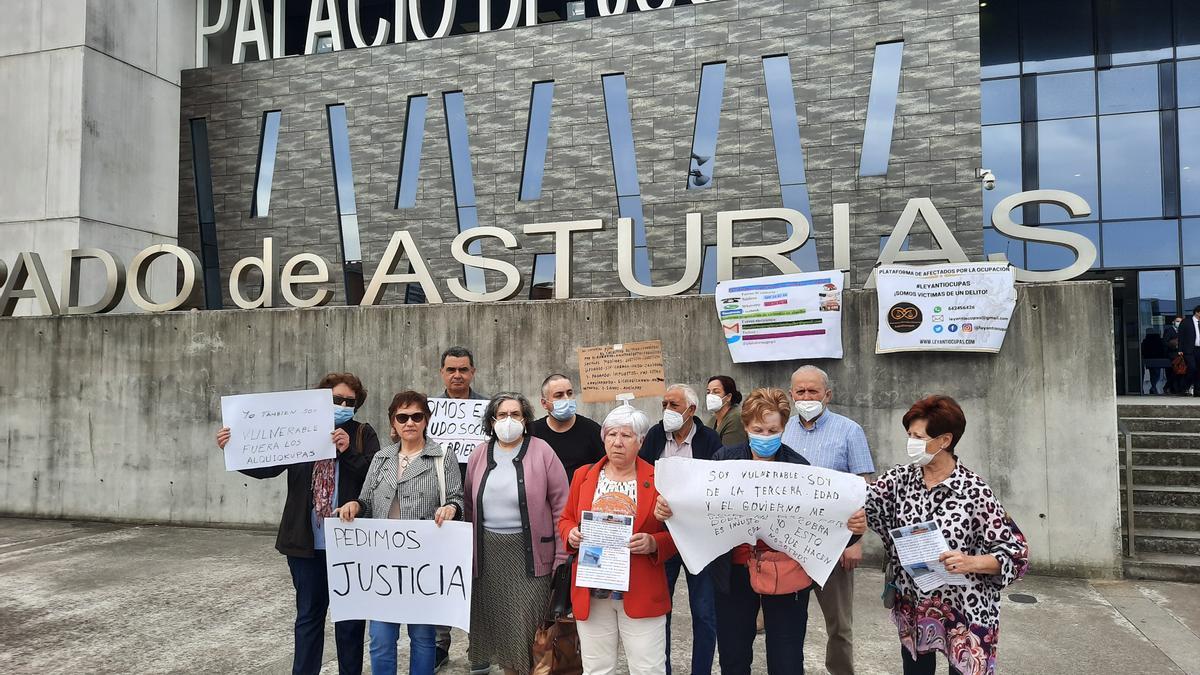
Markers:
<point>829,440</point>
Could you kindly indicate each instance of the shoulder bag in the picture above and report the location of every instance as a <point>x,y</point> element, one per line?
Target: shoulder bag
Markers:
<point>555,647</point>
<point>775,573</point>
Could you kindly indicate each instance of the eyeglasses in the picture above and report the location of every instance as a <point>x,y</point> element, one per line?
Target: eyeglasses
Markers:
<point>344,401</point>
<point>514,415</point>
<point>403,418</point>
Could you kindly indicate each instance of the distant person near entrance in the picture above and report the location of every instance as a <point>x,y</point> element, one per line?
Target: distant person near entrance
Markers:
<point>1189,346</point>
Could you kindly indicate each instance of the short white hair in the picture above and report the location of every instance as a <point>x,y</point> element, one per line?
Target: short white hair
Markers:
<point>626,416</point>
<point>688,393</point>
<point>803,370</point>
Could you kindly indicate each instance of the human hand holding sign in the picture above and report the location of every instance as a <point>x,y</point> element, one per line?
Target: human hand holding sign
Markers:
<point>957,562</point>
<point>223,437</point>
<point>347,511</point>
<point>642,544</point>
<point>341,439</point>
<point>662,510</point>
<point>858,522</point>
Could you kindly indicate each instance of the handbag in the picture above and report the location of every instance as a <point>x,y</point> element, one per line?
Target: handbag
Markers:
<point>889,586</point>
<point>1179,365</point>
<point>556,649</point>
<point>775,573</point>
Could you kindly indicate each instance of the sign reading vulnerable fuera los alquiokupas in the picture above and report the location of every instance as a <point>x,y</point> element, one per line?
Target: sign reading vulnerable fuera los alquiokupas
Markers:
<point>399,571</point>
<point>797,509</point>
<point>787,316</point>
<point>953,308</point>
<point>285,427</point>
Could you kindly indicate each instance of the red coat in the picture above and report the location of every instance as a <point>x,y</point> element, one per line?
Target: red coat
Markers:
<point>648,595</point>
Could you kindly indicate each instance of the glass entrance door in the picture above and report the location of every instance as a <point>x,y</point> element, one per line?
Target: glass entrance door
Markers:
<point>1144,304</point>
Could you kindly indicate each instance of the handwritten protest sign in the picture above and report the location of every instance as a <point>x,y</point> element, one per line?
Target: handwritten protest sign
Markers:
<point>400,571</point>
<point>797,509</point>
<point>286,427</point>
<point>457,425</point>
<point>631,368</point>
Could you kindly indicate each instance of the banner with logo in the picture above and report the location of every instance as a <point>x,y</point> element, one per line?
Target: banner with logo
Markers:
<point>782,317</point>
<point>960,307</point>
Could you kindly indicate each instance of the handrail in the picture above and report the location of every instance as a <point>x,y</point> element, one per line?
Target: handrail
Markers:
<point>1123,429</point>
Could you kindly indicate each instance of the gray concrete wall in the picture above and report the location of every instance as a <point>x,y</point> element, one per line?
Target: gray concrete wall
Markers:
<point>114,417</point>
<point>831,45</point>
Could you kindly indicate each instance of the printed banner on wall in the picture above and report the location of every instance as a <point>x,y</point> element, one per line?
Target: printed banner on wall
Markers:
<point>797,509</point>
<point>399,571</point>
<point>457,425</point>
<point>960,307</point>
<point>283,427</point>
<point>777,318</point>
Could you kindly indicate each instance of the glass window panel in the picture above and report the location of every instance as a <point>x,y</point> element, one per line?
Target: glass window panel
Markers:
<point>541,286</point>
<point>708,122</point>
<point>1056,35</point>
<point>1187,28</point>
<point>785,128</point>
<point>1191,290</point>
<point>1067,161</point>
<point>1187,77</point>
<point>620,134</point>
<point>1189,161</point>
<point>410,154</point>
<point>1013,249</point>
<point>796,197</point>
<point>1131,89</point>
<point>537,135</point>
<point>1190,231</point>
<point>1130,166</point>
<point>1140,30</point>
<point>1042,257</point>
<point>999,48</point>
<point>460,148</point>
<point>268,143</point>
<point>1001,100</point>
<point>1002,154</point>
<point>881,110</point>
<point>1066,95</point>
<point>708,276</point>
<point>343,182</point>
<point>631,207</point>
<point>1141,243</point>
<point>1157,302</point>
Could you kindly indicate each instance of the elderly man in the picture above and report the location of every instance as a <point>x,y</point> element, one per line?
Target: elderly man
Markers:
<point>682,434</point>
<point>830,440</point>
<point>574,438</point>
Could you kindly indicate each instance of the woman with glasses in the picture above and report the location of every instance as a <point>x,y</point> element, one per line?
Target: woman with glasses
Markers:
<point>515,493</point>
<point>314,490</point>
<point>403,484</point>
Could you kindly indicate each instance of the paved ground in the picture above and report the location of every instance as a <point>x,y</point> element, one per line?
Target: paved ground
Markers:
<point>89,598</point>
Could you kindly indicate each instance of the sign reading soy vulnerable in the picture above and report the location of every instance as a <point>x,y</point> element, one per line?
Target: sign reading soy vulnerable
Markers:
<point>797,509</point>
<point>630,368</point>
<point>284,427</point>
<point>399,571</point>
<point>457,425</point>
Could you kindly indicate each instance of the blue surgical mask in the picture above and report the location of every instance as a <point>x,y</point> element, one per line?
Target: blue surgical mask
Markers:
<point>765,446</point>
<point>564,409</point>
<point>341,415</point>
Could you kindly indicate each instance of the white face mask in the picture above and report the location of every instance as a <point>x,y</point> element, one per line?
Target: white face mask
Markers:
<point>508,429</point>
<point>713,402</point>
<point>672,421</point>
<point>809,409</point>
<point>916,451</point>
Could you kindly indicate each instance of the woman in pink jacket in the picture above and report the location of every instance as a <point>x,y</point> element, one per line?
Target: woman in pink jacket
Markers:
<point>515,493</point>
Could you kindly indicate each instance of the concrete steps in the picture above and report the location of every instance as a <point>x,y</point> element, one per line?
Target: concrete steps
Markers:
<point>1166,489</point>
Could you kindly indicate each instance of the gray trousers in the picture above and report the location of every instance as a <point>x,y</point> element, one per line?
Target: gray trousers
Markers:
<point>837,604</point>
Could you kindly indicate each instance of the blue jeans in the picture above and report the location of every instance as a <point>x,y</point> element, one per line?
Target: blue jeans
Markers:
<point>310,580</point>
<point>421,648</point>
<point>704,617</point>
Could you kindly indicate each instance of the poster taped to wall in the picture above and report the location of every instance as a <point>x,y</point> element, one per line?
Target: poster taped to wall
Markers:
<point>782,317</point>
<point>960,307</point>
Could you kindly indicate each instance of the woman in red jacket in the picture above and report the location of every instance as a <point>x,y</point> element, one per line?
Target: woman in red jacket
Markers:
<point>621,483</point>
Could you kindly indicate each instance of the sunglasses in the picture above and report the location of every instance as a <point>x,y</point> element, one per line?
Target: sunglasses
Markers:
<point>403,418</point>
<point>344,401</point>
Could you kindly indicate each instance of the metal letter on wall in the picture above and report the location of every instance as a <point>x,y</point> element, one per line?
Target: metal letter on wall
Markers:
<point>789,154</point>
<point>537,136</point>
<point>343,182</point>
<point>410,153</point>
<point>708,121</point>
<point>140,265</point>
<point>114,282</point>
<point>268,144</point>
<point>206,213</point>
<point>464,181</point>
<point>881,110</point>
<point>1081,246</point>
<point>28,268</point>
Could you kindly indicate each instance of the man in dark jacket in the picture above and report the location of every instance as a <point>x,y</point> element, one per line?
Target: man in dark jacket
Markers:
<point>1189,346</point>
<point>682,434</point>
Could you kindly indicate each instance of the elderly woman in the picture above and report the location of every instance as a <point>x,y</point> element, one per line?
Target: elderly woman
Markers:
<point>785,616</point>
<point>962,622</point>
<point>621,483</point>
<point>723,401</point>
<point>403,483</point>
<point>516,491</point>
<point>314,490</point>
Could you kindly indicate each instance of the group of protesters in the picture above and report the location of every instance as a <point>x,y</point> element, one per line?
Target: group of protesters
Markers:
<point>524,489</point>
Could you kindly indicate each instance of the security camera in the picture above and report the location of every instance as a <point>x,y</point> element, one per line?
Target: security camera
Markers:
<point>987,178</point>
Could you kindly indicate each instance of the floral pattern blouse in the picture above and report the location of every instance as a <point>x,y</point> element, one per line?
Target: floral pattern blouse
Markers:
<point>963,622</point>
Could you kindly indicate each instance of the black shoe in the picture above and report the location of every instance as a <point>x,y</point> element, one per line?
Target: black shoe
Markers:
<point>443,657</point>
